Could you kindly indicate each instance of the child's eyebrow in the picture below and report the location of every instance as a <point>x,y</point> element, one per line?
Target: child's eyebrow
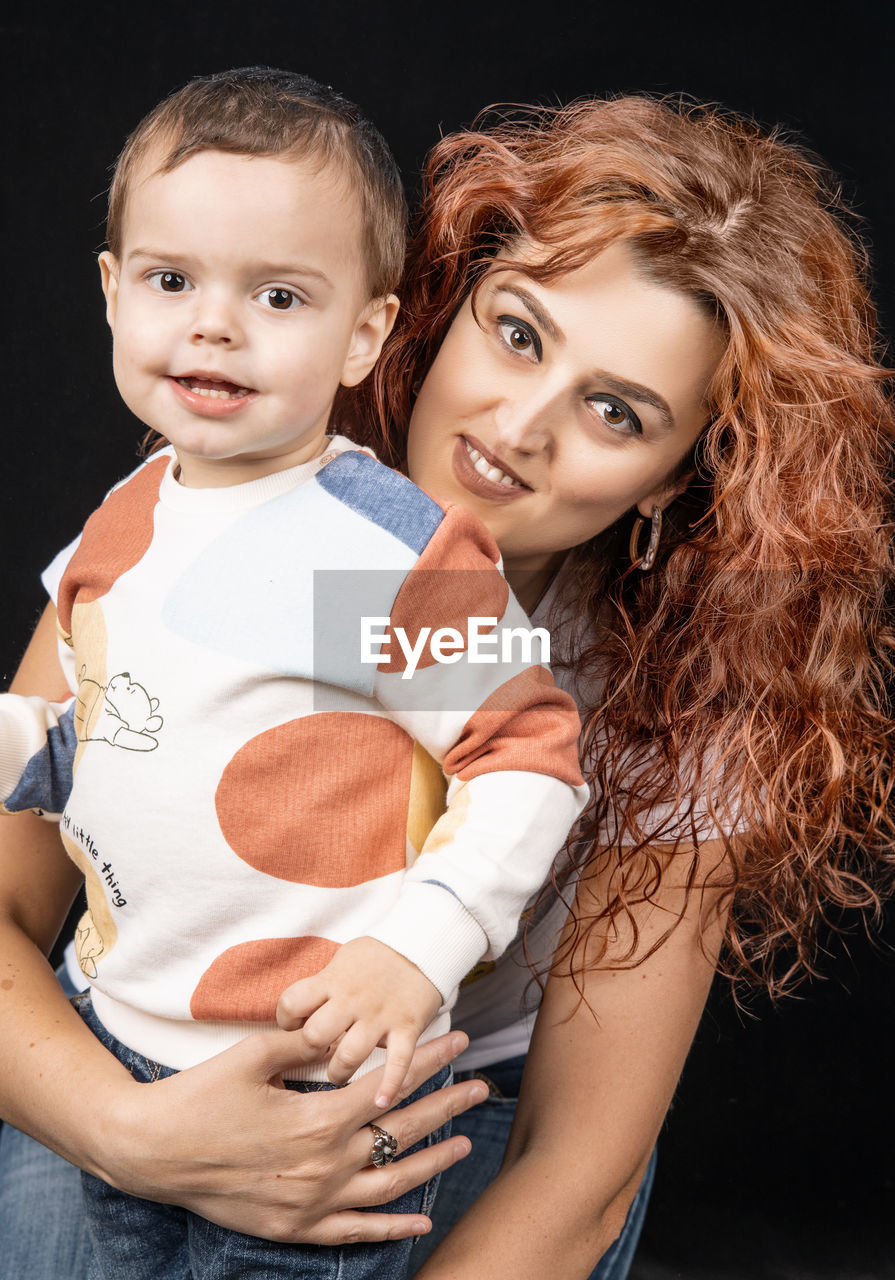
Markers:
<point>152,254</point>
<point>266,270</point>
<point>271,270</point>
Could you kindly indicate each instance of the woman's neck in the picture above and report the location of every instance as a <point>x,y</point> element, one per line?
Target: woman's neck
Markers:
<point>530,580</point>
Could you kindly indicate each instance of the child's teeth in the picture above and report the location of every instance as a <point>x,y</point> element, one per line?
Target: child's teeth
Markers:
<point>218,393</point>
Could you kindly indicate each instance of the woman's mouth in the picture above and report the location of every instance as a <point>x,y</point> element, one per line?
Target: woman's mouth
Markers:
<point>484,468</point>
<point>480,475</point>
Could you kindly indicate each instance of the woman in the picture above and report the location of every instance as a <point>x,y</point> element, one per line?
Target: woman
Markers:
<point>744,740</point>
<point>610,307</point>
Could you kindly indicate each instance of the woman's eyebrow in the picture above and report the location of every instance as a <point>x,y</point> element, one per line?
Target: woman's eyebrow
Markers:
<point>536,311</point>
<point>635,391</point>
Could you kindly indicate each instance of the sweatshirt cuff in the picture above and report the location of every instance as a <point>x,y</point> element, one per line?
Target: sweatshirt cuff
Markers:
<point>431,927</point>
<point>22,733</point>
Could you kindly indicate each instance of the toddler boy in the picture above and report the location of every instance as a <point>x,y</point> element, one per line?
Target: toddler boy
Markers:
<point>255,807</point>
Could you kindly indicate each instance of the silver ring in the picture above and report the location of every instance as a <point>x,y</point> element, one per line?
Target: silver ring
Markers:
<point>385,1147</point>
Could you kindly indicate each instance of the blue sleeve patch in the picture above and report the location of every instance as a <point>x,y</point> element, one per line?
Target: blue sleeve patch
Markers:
<point>439,884</point>
<point>383,497</point>
<point>47,780</point>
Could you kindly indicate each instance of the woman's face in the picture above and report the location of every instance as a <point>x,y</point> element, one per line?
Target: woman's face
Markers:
<point>566,405</point>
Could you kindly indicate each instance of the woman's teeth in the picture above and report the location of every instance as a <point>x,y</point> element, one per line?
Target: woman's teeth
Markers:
<point>484,468</point>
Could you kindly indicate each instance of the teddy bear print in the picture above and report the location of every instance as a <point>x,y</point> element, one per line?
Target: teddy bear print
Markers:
<point>121,713</point>
<point>89,945</point>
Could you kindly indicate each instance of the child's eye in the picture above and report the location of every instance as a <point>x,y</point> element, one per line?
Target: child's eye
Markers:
<point>280,299</point>
<point>616,414</point>
<point>168,281</point>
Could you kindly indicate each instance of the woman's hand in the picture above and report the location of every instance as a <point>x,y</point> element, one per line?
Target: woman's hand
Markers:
<point>224,1139</point>
<point>229,1142</point>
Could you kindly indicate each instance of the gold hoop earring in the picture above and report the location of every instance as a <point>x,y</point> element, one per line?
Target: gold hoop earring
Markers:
<point>646,562</point>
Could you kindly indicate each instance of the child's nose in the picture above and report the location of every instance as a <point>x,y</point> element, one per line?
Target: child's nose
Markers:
<point>210,336</point>
<point>216,321</point>
<point>218,333</point>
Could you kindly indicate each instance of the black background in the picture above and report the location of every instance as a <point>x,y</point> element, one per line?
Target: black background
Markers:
<point>775,1160</point>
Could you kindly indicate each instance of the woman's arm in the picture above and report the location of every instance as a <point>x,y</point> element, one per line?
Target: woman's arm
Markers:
<point>594,1096</point>
<point>223,1139</point>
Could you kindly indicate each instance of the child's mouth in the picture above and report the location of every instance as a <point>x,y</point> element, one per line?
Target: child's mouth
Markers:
<point>214,389</point>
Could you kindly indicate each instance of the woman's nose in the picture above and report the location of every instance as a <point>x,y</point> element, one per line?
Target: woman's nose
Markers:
<point>525,423</point>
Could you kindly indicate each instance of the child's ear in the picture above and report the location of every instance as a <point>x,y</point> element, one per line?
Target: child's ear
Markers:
<point>371,331</point>
<point>108,270</point>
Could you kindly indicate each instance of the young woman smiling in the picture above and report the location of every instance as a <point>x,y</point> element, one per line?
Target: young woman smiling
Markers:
<point>635,341</point>
<point>617,315</point>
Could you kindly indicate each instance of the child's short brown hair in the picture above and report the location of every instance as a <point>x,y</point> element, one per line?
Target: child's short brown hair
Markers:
<point>259,111</point>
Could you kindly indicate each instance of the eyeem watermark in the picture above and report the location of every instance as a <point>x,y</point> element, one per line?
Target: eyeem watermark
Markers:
<point>436,640</point>
<point>448,645</point>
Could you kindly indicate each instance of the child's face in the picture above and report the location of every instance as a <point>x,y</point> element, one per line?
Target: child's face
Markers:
<point>238,306</point>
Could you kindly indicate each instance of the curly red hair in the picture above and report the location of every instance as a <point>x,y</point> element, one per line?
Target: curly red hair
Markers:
<point>748,668</point>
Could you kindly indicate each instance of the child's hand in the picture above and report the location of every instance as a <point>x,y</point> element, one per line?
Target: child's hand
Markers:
<point>368,995</point>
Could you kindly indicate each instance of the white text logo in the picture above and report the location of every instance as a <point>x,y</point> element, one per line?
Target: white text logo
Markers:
<point>446,644</point>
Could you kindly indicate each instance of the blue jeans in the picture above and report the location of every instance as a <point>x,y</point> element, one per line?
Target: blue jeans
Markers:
<point>44,1236</point>
<point>42,1231</point>
<point>135,1239</point>
<point>488,1128</point>
<point>41,1208</point>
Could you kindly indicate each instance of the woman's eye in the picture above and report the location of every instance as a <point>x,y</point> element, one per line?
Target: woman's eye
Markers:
<point>168,282</point>
<point>280,299</point>
<point>616,415</point>
<point>519,337</point>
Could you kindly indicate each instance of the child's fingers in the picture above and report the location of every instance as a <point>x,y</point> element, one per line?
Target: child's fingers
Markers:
<point>399,1046</point>
<point>325,1025</point>
<point>298,1002</point>
<point>356,1045</point>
